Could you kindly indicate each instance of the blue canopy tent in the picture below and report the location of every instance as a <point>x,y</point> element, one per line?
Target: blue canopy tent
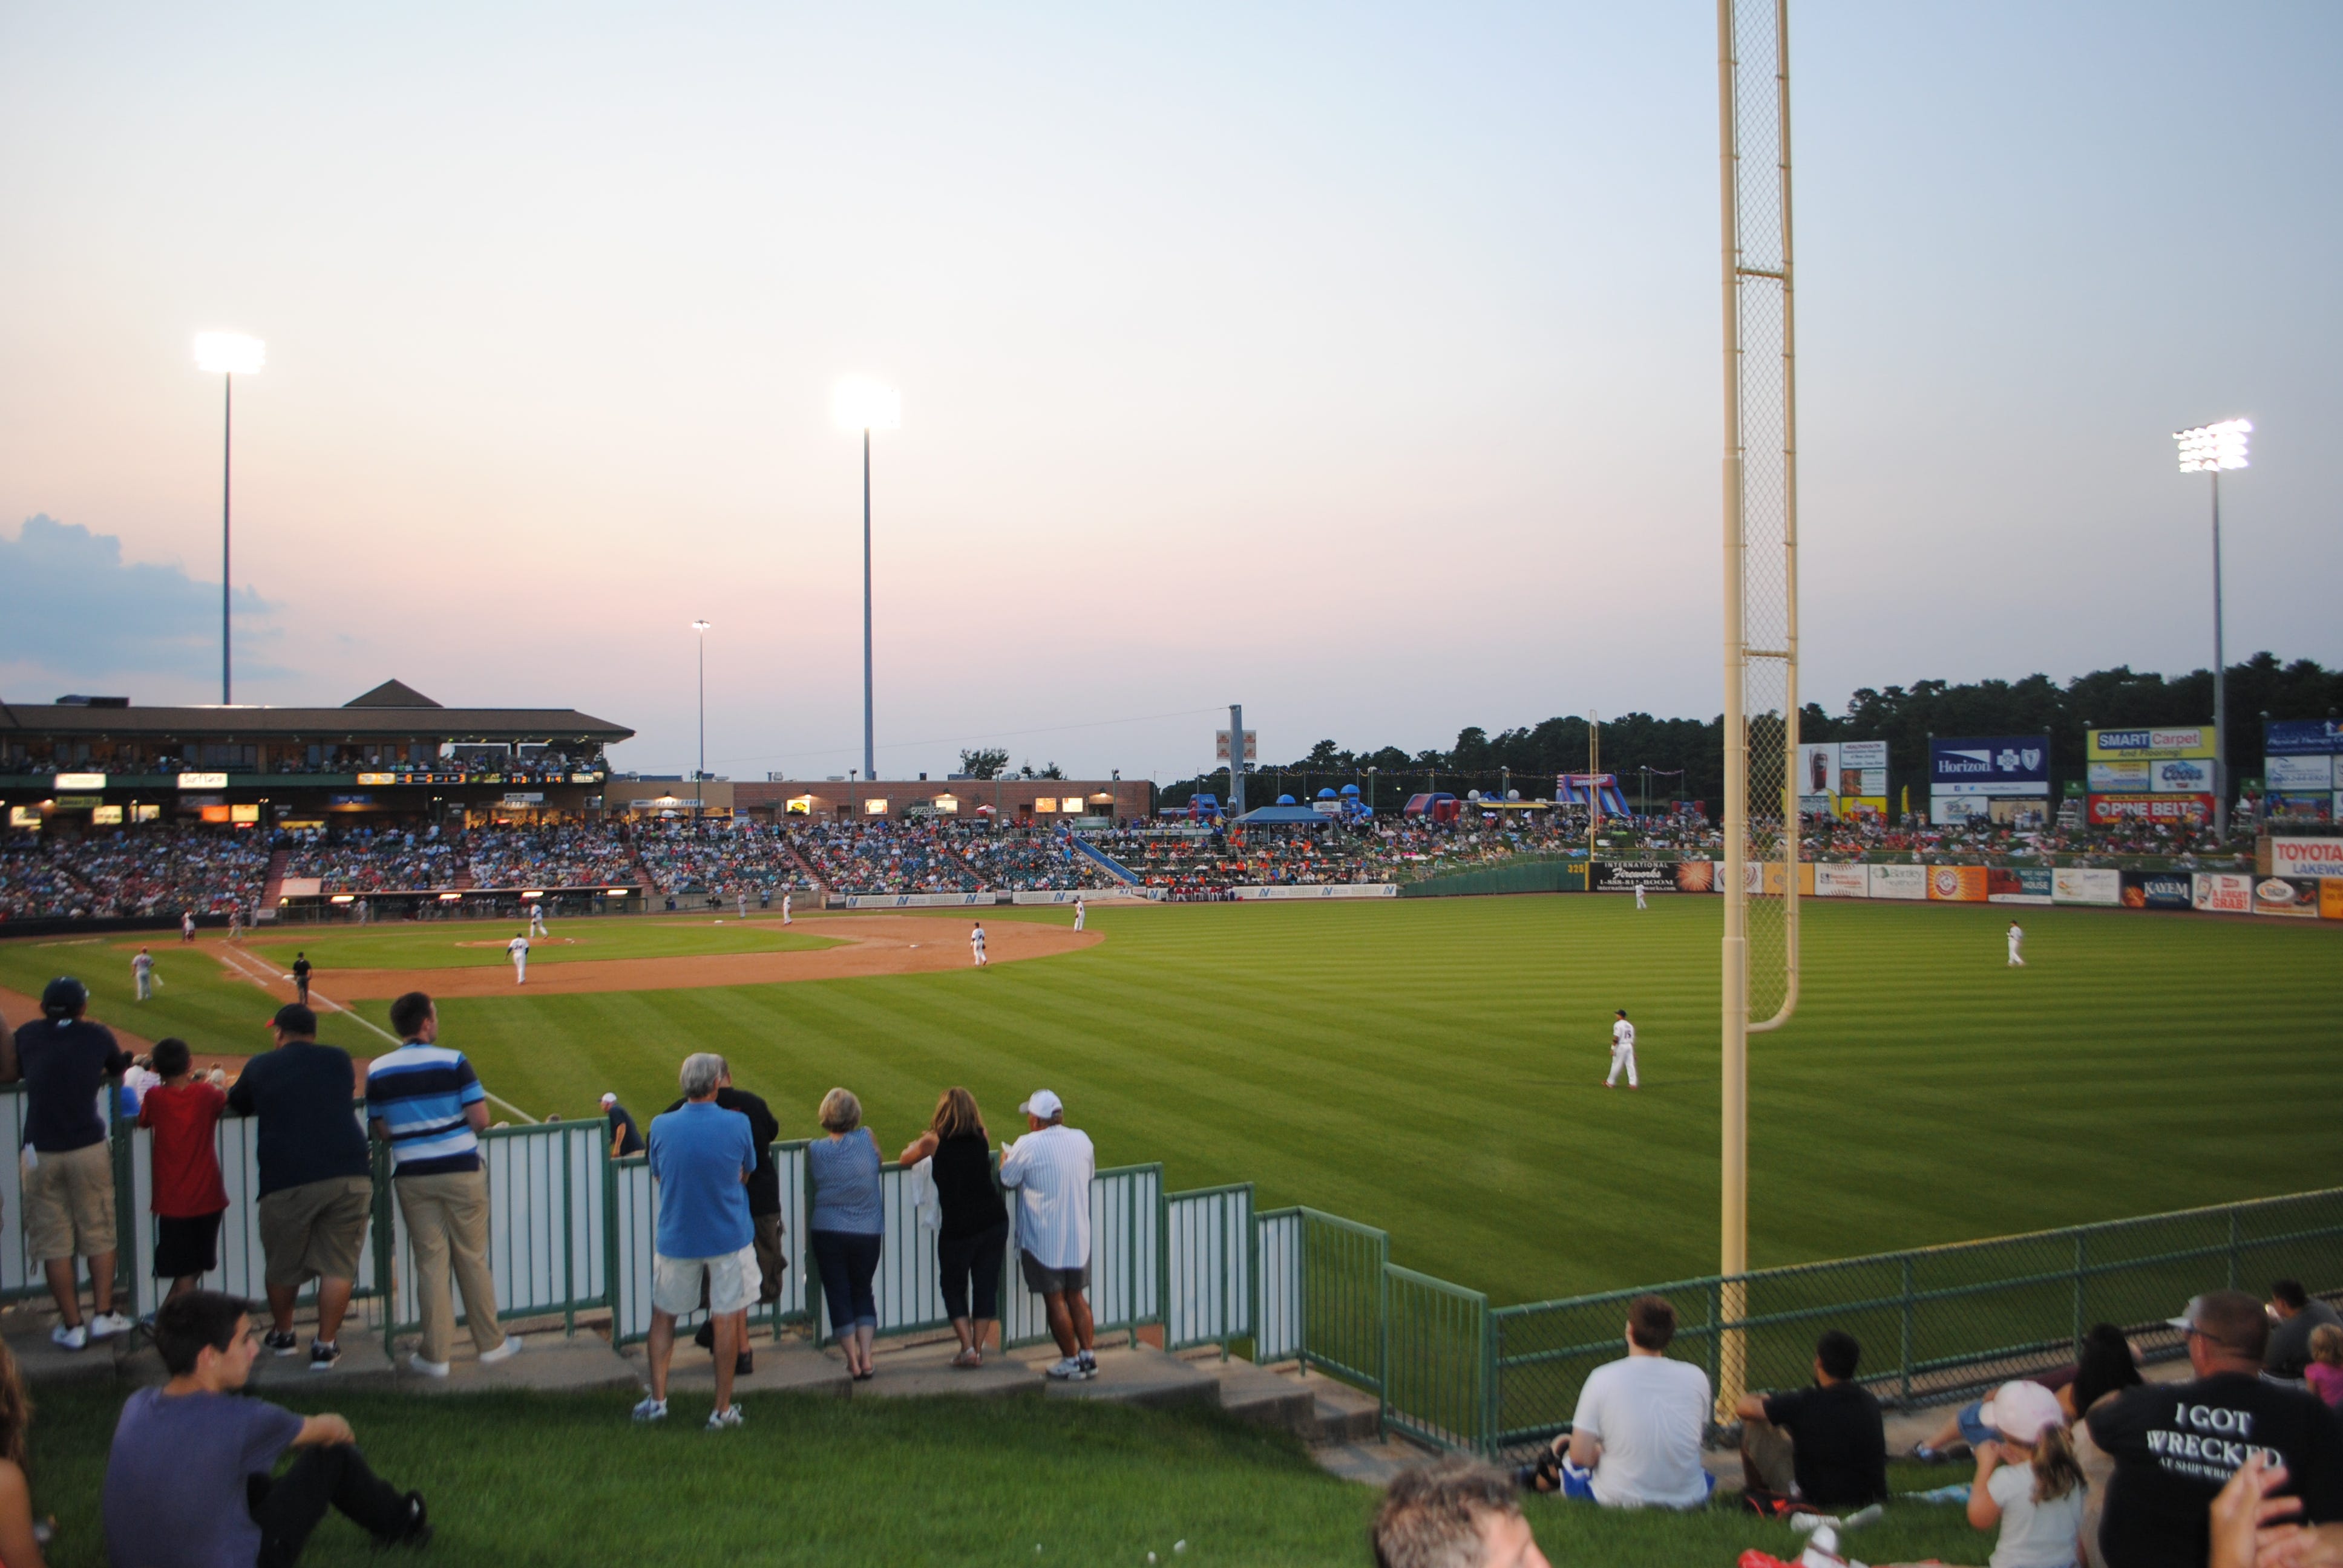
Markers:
<point>1283,817</point>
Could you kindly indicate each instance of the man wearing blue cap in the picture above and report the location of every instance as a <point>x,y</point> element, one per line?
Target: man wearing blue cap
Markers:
<point>63,1060</point>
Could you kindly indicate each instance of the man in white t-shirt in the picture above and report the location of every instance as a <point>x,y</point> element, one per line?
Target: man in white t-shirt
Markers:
<point>1050,1169</point>
<point>518,948</point>
<point>2016,940</point>
<point>1635,1439</point>
<point>1623,1052</point>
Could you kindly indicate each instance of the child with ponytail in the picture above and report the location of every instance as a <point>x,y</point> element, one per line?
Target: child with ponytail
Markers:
<point>2027,1480</point>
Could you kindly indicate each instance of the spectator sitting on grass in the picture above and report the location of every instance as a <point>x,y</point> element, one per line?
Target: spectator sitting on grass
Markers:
<point>2298,1312</point>
<point>68,1176</point>
<point>1635,1440</point>
<point>19,1548</point>
<point>1824,1445</point>
<point>2027,1480</point>
<point>2176,1444</point>
<point>701,1157</point>
<point>188,1483</point>
<point>316,1178</point>
<point>1455,1513</point>
<point>183,1111</point>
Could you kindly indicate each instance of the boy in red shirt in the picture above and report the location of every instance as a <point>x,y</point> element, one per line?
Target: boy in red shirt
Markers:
<point>189,1196</point>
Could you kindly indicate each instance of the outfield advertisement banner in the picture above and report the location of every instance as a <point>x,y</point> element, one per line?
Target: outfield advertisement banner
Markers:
<point>1696,877</point>
<point>2078,885</point>
<point>2301,738</point>
<point>2223,892</point>
<point>1956,884</point>
<point>1990,765</point>
<point>1626,876</point>
<point>2105,810</point>
<point>2299,775</point>
<point>2145,745</point>
<point>2023,885</point>
<point>1842,882</point>
<point>1765,878</point>
<point>1899,881</point>
<point>2296,897</point>
<point>1324,890</point>
<point>2306,856</point>
<point>1089,895</point>
<point>2330,898</point>
<point>917,900</point>
<point>2158,891</point>
<point>2117,778</point>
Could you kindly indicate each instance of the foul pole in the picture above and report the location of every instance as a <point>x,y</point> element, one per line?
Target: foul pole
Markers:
<point>1760,956</point>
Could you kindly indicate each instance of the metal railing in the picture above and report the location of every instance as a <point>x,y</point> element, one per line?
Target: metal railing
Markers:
<point>1208,1267</point>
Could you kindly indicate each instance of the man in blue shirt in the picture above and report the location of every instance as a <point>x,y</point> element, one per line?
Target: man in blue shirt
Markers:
<point>702,1156</point>
<point>426,1101</point>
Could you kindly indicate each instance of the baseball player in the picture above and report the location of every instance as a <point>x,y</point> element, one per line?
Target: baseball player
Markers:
<point>536,919</point>
<point>1081,910</point>
<point>1623,1052</point>
<point>785,907</point>
<point>2016,940</point>
<point>187,925</point>
<point>1639,895</point>
<point>235,922</point>
<point>518,948</point>
<point>743,903</point>
<point>142,969</point>
<point>976,944</point>
<point>301,977</point>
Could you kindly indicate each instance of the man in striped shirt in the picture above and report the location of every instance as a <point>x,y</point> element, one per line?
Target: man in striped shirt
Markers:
<point>425,1101</point>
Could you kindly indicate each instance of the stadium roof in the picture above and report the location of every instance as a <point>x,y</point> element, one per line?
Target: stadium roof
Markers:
<point>391,711</point>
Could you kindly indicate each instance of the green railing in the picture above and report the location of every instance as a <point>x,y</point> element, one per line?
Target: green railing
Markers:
<point>1344,1306</point>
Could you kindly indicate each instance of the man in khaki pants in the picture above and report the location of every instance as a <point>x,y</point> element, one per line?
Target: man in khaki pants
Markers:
<point>426,1101</point>
<point>68,1181</point>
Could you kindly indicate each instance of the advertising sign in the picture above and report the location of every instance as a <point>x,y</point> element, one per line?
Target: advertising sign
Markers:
<point>2306,856</point>
<point>2107,745</point>
<point>79,781</point>
<point>1865,762</point>
<point>2295,896</point>
<point>2022,885</point>
<point>2301,738</point>
<point>2330,898</point>
<point>203,780</point>
<point>2158,891</point>
<point>2078,885</point>
<point>2108,810</point>
<point>1618,876</point>
<point>1899,881</point>
<point>1864,808</point>
<point>1765,878</point>
<point>2180,776</point>
<point>1695,875</point>
<point>1842,882</point>
<point>1990,765</point>
<point>1817,773</point>
<point>1956,884</point>
<point>2299,775</point>
<point>2223,892</point>
<point>2118,778</point>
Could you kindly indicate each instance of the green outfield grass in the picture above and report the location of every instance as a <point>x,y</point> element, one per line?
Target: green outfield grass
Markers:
<point>474,943</point>
<point>1433,1067</point>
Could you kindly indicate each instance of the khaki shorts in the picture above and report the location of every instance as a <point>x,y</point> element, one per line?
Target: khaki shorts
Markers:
<point>316,1230</point>
<point>731,1281</point>
<point>69,1204</point>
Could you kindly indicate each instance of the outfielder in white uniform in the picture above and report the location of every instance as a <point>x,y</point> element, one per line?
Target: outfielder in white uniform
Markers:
<point>1623,1052</point>
<point>518,948</point>
<point>142,968</point>
<point>187,925</point>
<point>976,944</point>
<point>2016,940</point>
<point>785,909</point>
<point>1639,895</point>
<point>536,919</point>
<point>1081,910</point>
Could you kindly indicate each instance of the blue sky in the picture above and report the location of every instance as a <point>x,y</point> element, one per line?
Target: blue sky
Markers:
<point>1355,362</point>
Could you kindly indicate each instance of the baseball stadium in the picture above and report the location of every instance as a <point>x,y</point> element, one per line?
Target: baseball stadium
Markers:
<point>1830,1126</point>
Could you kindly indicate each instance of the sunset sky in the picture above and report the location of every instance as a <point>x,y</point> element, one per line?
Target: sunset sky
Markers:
<point>1355,362</point>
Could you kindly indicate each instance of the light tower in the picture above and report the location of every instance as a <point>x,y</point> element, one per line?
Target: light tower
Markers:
<point>2208,449</point>
<point>862,404</point>
<point>228,354</point>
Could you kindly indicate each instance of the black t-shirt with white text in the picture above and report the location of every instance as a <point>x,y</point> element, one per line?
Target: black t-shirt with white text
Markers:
<point>2175,1445</point>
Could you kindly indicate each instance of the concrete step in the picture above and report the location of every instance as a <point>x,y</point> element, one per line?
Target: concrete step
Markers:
<point>563,1362</point>
<point>1260,1395</point>
<point>925,1371</point>
<point>1373,1462</point>
<point>1138,1374</point>
<point>1343,1413</point>
<point>789,1366</point>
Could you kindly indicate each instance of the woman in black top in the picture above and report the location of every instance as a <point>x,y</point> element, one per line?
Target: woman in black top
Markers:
<point>974,1237</point>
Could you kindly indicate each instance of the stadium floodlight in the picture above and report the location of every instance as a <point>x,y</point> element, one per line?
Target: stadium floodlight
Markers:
<point>698,779</point>
<point>859,403</point>
<point>228,354</point>
<point>2208,449</point>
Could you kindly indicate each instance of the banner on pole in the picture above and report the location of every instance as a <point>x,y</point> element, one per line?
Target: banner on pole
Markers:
<point>2107,810</point>
<point>1990,765</point>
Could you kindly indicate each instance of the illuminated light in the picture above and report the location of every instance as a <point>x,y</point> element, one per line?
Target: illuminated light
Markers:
<point>2211,448</point>
<point>534,893</point>
<point>449,897</point>
<point>79,781</point>
<point>859,403</point>
<point>343,898</point>
<point>229,353</point>
<point>619,892</point>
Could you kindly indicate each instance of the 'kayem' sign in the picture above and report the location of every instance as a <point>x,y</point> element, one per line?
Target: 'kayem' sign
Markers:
<point>2306,856</point>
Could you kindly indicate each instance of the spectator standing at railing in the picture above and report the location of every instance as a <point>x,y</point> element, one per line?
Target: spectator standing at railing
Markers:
<point>973,1240</point>
<point>626,1137</point>
<point>1824,1445</point>
<point>1052,1168</point>
<point>847,1225</point>
<point>425,1101</point>
<point>183,1111</point>
<point>1634,1438</point>
<point>701,1157</point>
<point>64,1061</point>
<point>764,1202</point>
<point>316,1178</point>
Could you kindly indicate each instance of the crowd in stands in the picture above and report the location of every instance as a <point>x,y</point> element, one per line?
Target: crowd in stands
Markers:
<point>552,856</point>
<point>124,873</point>
<point>884,857</point>
<point>534,765</point>
<point>366,862</point>
<point>1038,861</point>
<point>750,858</point>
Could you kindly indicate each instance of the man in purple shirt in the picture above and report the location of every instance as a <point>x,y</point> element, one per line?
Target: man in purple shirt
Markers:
<point>188,1483</point>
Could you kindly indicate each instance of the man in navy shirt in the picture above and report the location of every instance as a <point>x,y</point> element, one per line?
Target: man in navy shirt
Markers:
<point>701,1157</point>
<point>64,1060</point>
<point>317,1176</point>
<point>188,1483</point>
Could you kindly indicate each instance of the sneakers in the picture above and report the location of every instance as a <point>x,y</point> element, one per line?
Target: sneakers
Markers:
<point>76,1338</point>
<point>1072,1370</point>
<point>719,1420</point>
<point>503,1353</point>
<point>322,1356</point>
<point>105,1326</point>
<point>417,1529</point>
<point>651,1410</point>
<point>280,1341</point>
<point>415,1363</point>
<point>1088,1363</point>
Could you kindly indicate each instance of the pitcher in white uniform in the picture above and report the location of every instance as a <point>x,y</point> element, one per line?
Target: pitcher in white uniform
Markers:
<point>1623,1052</point>
<point>518,948</point>
<point>1081,910</point>
<point>785,909</point>
<point>536,919</point>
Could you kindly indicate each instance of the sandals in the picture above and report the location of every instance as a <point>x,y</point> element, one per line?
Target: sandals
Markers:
<point>969,1360</point>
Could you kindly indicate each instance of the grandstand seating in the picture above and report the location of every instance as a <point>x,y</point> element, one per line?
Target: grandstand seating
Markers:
<point>1038,862</point>
<point>549,857</point>
<point>721,859</point>
<point>883,858</point>
<point>131,873</point>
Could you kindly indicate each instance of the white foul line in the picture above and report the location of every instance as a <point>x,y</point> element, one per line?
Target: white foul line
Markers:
<point>266,975</point>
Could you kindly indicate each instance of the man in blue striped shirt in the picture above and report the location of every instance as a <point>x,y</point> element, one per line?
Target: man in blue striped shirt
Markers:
<point>425,1101</point>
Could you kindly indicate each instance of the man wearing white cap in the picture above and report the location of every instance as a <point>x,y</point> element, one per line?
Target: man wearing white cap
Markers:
<point>626,1137</point>
<point>1051,1169</point>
